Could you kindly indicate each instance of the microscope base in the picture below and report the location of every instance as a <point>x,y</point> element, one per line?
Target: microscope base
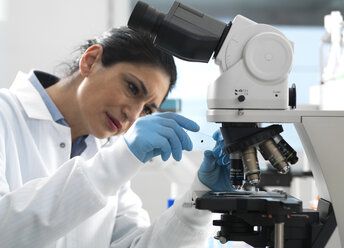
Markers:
<point>255,217</point>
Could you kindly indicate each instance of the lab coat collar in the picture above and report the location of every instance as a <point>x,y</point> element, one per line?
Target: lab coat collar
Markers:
<point>30,98</point>
<point>35,107</point>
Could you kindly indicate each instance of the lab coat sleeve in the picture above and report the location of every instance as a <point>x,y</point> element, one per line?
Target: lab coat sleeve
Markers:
<point>131,218</point>
<point>180,226</point>
<point>44,209</point>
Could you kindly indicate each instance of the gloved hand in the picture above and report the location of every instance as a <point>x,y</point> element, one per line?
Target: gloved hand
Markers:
<point>160,134</point>
<point>215,168</point>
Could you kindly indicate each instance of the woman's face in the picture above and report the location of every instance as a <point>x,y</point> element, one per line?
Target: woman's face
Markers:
<point>110,99</point>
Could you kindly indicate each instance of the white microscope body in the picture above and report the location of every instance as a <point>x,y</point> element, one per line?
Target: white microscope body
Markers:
<point>255,61</point>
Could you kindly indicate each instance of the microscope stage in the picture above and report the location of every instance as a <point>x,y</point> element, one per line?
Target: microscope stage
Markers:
<point>273,203</point>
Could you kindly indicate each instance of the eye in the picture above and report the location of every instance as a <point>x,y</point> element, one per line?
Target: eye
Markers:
<point>132,87</point>
<point>147,111</point>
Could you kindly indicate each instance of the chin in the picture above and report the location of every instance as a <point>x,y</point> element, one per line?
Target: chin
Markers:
<point>120,132</point>
<point>107,135</point>
<point>101,134</point>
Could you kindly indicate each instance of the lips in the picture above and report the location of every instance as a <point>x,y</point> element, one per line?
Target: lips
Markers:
<point>114,124</point>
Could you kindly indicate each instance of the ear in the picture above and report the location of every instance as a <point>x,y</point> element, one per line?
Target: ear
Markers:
<point>91,56</point>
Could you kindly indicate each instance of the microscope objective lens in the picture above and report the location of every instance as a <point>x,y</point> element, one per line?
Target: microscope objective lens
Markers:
<point>250,162</point>
<point>287,151</point>
<point>236,170</point>
<point>270,152</point>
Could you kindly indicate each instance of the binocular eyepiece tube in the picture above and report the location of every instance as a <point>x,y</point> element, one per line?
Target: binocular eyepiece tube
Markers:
<point>183,32</point>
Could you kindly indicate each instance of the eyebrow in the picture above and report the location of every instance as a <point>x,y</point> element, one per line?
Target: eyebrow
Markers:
<point>144,89</point>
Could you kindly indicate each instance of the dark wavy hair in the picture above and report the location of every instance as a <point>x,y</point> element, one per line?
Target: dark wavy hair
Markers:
<point>126,45</point>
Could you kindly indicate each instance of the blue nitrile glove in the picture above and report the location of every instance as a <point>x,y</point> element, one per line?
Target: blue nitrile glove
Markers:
<point>160,134</point>
<point>215,168</point>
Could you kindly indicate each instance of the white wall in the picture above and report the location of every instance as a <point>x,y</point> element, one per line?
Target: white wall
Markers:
<point>41,34</point>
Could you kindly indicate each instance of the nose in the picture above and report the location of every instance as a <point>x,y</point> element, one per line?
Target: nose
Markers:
<point>133,111</point>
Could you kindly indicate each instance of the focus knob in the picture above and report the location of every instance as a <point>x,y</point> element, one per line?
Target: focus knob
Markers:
<point>241,98</point>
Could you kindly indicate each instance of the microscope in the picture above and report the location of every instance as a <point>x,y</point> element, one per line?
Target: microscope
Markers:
<point>255,61</point>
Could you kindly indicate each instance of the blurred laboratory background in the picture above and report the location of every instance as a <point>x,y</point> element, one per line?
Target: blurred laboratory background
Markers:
<point>42,34</point>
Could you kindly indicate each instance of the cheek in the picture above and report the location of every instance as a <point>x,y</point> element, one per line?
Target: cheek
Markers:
<point>162,92</point>
<point>85,102</point>
<point>84,93</point>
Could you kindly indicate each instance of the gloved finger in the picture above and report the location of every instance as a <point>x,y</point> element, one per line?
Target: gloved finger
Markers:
<point>182,121</point>
<point>223,160</point>
<point>226,159</point>
<point>208,163</point>
<point>179,131</point>
<point>177,154</point>
<point>165,156</point>
<point>174,142</point>
<point>217,136</point>
<point>218,149</point>
<point>157,151</point>
<point>159,146</point>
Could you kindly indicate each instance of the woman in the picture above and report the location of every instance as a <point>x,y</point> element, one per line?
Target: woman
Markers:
<point>64,182</point>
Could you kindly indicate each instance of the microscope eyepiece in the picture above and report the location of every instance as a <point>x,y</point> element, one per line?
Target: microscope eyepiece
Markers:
<point>145,18</point>
<point>183,32</point>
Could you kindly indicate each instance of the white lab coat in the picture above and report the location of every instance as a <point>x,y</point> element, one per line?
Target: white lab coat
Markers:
<point>49,200</point>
